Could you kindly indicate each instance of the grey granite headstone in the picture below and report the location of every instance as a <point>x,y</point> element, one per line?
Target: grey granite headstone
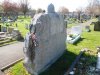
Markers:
<point>46,42</point>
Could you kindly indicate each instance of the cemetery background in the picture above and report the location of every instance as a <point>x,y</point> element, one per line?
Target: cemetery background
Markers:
<point>22,24</point>
<point>88,40</point>
<point>57,66</point>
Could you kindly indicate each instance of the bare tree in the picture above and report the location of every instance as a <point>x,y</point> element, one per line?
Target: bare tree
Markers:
<point>9,7</point>
<point>1,8</point>
<point>79,11</point>
<point>63,10</point>
<point>24,6</point>
<point>39,10</point>
<point>6,6</point>
<point>93,7</point>
<point>32,12</point>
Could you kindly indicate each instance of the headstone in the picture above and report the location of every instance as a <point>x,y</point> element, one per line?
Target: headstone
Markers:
<point>16,25</point>
<point>97,25</point>
<point>46,42</point>
<point>3,29</point>
<point>26,26</point>
<point>3,19</point>
<point>10,30</point>
<point>0,28</point>
<point>75,30</point>
<point>75,34</point>
<point>6,18</point>
<point>87,28</point>
<point>16,34</point>
<point>13,18</point>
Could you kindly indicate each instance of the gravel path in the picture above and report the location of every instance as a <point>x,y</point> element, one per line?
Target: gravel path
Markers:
<point>10,53</point>
<point>81,24</point>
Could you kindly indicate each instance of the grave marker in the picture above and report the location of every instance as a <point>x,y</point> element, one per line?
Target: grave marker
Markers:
<point>46,42</point>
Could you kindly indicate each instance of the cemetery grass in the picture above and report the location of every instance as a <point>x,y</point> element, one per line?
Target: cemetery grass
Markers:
<point>9,42</point>
<point>88,40</point>
<point>21,22</point>
<point>70,25</point>
<point>77,23</point>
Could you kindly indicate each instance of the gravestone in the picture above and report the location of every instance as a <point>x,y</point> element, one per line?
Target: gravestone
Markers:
<point>46,41</point>
<point>75,34</point>
<point>13,18</point>
<point>10,30</point>
<point>87,28</point>
<point>26,26</point>
<point>76,30</point>
<point>3,29</point>
<point>16,25</point>
<point>0,28</point>
<point>3,19</point>
<point>97,25</point>
<point>16,34</point>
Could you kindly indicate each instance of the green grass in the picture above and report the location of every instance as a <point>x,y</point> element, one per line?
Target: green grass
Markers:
<point>7,43</point>
<point>17,70</point>
<point>70,25</point>
<point>88,40</point>
<point>21,25</point>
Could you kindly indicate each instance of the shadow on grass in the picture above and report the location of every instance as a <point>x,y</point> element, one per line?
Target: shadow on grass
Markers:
<point>22,40</point>
<point>80,40</point>
<point>61,65</point>
<point>91,57</point>
<point>88,60</point>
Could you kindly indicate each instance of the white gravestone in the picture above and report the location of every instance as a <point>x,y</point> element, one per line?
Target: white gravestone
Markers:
<point>49,44</point>
<point>75,30</point>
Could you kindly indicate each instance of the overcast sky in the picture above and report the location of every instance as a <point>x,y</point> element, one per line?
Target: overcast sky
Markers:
<point>70,4</point>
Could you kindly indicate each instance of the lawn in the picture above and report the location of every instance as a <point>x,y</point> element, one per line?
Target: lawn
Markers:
<point>77,23</point>
<point>70,25</point>
<point>88,40</point>
<point>21,24</point>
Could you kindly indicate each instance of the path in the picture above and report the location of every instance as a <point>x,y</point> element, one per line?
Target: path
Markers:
<point>87,23</point>
<point>81,24</point>
<point>1,73</point>
<point>10,53</point>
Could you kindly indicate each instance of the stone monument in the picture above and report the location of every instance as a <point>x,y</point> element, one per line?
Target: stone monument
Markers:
<point>97,25</point>
<point>16,34</point>
<point>46,41</point>
<point>3,29</point>
<point>87,28</point>
<point>0,28</point>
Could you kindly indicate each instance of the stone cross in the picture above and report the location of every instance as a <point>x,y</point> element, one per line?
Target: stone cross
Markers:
<point>46,41</point>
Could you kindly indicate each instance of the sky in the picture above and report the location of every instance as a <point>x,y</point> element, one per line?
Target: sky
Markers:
<point>72,5</point>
